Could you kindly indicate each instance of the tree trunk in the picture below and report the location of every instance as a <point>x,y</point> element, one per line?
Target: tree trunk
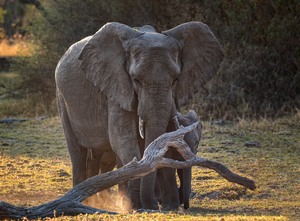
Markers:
<point>70,203</point>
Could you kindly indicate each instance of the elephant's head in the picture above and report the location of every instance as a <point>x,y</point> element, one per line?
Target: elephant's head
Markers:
<point>192,138</point>
<point>149,72</point>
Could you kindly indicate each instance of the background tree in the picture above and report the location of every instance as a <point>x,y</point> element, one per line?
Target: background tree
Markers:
<point>13,15</point>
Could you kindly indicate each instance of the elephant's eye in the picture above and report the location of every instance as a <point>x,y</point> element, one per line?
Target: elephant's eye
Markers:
<point>174,82</point>
<point>136,81</point>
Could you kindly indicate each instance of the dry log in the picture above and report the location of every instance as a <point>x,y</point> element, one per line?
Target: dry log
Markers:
<point>70,203</point>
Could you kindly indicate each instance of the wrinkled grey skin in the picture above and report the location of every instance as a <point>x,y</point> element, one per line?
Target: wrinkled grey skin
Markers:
<point>171,196</point>
<point>105,82</point>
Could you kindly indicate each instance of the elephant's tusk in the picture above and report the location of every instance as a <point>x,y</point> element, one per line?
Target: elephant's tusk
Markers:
<point>141,128</point>
<point>176,122</point>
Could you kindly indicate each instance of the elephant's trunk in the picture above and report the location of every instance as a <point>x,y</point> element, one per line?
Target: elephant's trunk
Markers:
<point>154,112</point>
<point>153,129</point>
<point>156,115</point>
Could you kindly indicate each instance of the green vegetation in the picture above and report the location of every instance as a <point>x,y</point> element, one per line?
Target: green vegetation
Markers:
<point>260,74</point>
<point>35,168</point>
<point>19,103</point>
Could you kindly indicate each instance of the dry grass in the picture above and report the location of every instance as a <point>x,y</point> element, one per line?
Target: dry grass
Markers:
<point>35,168</point>
<point>13,48</point>
<point>14,103</point>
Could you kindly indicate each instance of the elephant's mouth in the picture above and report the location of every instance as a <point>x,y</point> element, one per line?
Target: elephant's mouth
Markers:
<point>141,128</point>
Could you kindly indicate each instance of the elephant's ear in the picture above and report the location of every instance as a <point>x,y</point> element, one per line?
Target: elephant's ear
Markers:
<point>201,57</point>
<point>193,116</point>
<point>189,118</point>
<point>103,62</point>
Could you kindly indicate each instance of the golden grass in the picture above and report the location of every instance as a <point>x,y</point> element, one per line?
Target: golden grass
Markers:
<point>13,48</point>
<point>172,217</point>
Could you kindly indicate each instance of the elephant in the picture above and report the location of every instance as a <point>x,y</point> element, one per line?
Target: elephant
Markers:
<point>170,196</point>
<point>118,88</point>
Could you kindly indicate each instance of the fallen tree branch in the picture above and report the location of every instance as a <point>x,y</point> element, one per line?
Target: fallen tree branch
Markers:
<point>70,203</point>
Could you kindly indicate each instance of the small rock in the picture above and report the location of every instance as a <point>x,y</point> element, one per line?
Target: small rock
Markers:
<point>252,144</point>
<point>42,118</point>
<point>227,143</point>
<point>203,178</point>
<point>212,149</point>
<point>63,173</point>
<point>218,122</point>
<point>193,195</point>
<point>12,120</point>
<point>263,196</point>
<point>213,195</point>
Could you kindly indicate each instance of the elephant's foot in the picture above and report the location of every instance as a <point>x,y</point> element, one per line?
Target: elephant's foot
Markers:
<point>149,202</point>
<point>171,206</point>
<point>136,205</point>
<point>133,193</point>
<point>150,205</point>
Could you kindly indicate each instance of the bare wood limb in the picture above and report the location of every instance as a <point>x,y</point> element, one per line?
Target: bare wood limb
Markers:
<point>216,166</point>
<point>70,203</point>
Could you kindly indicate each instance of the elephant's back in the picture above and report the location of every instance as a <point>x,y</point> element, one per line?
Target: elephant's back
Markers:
<point>84,104</point>
<point>68,69</point>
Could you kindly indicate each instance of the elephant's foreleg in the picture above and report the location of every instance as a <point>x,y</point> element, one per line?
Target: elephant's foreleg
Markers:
<point>169,190</point>
<point>147,191</point>
<point>123,139</point>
